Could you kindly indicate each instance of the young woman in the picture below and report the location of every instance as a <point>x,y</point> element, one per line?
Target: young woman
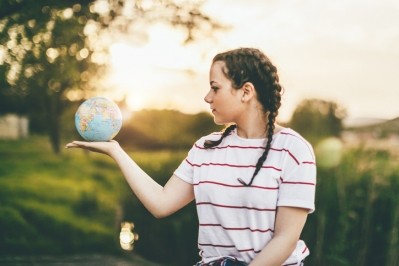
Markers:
<point>253,183</point>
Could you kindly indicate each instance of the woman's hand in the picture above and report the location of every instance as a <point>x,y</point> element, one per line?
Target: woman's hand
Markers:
<point>108,147</point>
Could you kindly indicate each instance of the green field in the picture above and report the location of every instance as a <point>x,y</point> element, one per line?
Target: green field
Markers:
<point>73,203</point>
<point>70,203</point>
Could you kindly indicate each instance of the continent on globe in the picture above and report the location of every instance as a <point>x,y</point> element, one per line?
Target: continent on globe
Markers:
<point>98,119</point>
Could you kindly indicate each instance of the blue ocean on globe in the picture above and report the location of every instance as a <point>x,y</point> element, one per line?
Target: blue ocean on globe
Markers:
<point>98,119</point>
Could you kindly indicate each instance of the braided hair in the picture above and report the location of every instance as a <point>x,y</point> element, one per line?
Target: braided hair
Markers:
<point>251,65</point>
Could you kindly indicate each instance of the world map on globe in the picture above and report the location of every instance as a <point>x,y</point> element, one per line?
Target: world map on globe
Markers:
<point>98,119</point>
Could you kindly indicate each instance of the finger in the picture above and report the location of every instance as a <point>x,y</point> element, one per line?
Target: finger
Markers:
<point>80,143</point>
<point>76,144</point>
<point>71,145</point>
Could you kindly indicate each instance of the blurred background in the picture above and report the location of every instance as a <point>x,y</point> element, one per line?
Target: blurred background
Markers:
<point>338,62</point>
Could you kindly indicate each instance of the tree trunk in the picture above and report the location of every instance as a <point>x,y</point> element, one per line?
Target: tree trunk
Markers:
<point>393,255</point>
<point>54,109</point>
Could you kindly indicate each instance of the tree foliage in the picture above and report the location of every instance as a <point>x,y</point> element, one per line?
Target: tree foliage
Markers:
<point>157,129</point>
<point>316,119</point>
<point>52,51</point>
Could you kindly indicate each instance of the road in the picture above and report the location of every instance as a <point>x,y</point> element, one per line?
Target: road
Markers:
<point>76,260</point>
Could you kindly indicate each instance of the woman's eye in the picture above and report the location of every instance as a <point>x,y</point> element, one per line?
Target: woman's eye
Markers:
<point>214,88</point>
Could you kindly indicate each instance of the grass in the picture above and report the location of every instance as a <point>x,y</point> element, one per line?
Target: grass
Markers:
<point>69,203</point>
<point>41,195</point>
<point>356,210</point>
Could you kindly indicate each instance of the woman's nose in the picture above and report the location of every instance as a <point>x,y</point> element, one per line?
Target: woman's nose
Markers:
<point>207,97</point>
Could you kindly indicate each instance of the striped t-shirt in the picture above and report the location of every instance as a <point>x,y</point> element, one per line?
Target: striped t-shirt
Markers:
<point>238,221</point>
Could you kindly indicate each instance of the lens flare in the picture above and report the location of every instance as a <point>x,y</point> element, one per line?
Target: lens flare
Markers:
<point>329,152</point>
<point>127,237</point>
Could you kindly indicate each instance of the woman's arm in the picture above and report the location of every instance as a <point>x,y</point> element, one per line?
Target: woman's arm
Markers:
<point>289,224</point>
<point>159,201</point>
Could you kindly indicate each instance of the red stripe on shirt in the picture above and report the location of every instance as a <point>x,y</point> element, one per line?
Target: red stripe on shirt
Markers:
<point>236,186</point>
<point>307,144</point>
<point>304,250</point>
<point>296,183</point>
<point>225,246</point>
<point>308,162</point>
<point>230,165</point>
<point>238,228</point>
<point>214,245</point>
<point>289,153</point>
<point>229,146</point>
<point>234,207</point>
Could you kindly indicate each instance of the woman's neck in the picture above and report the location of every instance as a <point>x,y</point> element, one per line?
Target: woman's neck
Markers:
<point>252,129</point>
<point>256,133</point>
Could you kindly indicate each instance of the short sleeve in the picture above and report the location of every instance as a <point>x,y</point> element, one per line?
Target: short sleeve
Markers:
<point>298,179</point>
<point>185,171</point>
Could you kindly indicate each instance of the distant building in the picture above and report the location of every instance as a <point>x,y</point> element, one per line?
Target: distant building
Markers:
<point>13,126</point>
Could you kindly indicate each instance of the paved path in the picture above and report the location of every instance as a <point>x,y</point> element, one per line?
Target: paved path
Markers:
<point>77,260</point>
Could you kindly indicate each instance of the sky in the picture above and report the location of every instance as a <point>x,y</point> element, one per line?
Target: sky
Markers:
<point>346,51</point>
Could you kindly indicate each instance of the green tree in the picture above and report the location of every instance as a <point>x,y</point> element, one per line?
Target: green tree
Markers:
<point>157,129</point>
<point>50,50</point>
<point>316,119</point>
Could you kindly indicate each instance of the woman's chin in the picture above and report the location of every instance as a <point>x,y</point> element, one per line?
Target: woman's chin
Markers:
<point>219,122</point>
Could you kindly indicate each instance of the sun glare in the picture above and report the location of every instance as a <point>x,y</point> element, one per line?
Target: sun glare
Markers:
<point>161,74</point>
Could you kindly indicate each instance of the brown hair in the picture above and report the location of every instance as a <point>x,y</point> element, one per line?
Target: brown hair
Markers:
<point>251,65</point>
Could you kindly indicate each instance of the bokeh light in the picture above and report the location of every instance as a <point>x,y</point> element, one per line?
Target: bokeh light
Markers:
<point>329,152</point>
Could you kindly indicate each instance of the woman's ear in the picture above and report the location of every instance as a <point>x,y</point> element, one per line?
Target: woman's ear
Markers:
<point>248,91</point>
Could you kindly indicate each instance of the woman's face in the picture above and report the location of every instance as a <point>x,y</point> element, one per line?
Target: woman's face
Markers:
<point>225,101</point>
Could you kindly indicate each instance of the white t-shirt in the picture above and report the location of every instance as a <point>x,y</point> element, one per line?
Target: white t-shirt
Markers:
<point>238,221</point>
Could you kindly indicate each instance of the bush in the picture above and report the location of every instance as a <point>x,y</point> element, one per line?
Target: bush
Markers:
<point>356,219</point>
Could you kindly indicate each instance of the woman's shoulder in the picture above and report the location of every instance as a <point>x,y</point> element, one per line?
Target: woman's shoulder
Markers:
<point>289,134</point>
<point>291,140</point>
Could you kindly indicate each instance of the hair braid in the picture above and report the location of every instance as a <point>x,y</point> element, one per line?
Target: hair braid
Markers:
<point>262,159</point>
<point>213,143</point>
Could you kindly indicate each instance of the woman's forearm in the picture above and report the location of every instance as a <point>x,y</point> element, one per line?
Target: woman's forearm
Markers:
<point>159,201</point>
<point>288,227</point>
<point>275,253</point>
<point>143,186</point>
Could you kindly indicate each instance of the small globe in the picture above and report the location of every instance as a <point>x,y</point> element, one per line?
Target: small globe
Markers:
<point>98,119</point>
